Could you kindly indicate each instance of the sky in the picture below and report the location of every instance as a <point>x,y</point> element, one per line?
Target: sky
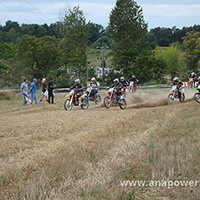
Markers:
<point>157,13</point>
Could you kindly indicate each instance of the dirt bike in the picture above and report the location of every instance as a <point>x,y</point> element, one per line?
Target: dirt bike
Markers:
<point>132,86</point>
<point>174,93</point>
<point>96,98</point>
<point>112,97</point>
<point>72,99</point>
<point>197,94</point>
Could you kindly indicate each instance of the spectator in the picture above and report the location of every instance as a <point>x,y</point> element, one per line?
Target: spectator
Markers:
<point>24,90</point>
<point>51,86</point>
<point>33,91</point>
<point>44,89</point>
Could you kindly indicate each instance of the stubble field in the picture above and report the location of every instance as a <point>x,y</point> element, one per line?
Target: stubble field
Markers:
<point>49,153</point>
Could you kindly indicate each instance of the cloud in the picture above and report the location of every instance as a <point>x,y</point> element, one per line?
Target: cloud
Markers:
<point>171,15</point>
<point>165,13</point>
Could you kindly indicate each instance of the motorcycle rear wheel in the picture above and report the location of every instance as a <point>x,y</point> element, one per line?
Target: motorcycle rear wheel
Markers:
<point>98,99</point>
<point>197,97</point>
<point>67,105</point>
<point>123,104</point>
<point>107,102</point>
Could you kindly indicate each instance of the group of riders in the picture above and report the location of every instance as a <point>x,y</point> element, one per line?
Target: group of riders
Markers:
<point>119,86</point>
<point>191,78</point>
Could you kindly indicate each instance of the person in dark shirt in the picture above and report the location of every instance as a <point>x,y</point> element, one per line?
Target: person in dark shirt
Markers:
<point>117,87</point>
<point>51,86</point>
<point>123,82</point>
<point>78,88</point>
<point>133,79</point>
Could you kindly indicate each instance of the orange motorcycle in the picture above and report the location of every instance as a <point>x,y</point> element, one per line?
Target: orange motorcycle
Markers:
<point>72,99</point>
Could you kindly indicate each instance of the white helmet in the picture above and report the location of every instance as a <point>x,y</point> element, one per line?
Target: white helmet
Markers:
<point>93,79</point>
<point>175,79</point>
<point>198,78</point>
<point>116,80</point>
<point>122,78</point>
<point>77,80</point>
<point>133,76</point>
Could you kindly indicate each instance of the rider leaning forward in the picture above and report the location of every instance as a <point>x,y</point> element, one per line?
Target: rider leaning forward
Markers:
<point>78,88</point>
<point>179,84</point>
<point>117,86</point>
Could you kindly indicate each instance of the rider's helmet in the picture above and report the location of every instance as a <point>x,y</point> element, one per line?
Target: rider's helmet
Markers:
<point>116,80</point>
<point>93,79</point>
<point>198,78</point>
<point>122,78</point>
<point>175,79</point>
<point>133,76</point>
<point>77,80</point>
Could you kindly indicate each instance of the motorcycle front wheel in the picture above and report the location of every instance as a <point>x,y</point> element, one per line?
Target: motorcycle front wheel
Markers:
<point>107,102</point>
<point>67,105</point>
<point>182,98</point>
<point>84,104</point>
<point>171,96</point>
<point>197,97</point>
<point>122,104</point>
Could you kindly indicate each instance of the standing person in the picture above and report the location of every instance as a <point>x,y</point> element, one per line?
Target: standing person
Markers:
<point>24,90</point>
<point>33,91</point>
<point>44,89</point>
<point>51,86</point>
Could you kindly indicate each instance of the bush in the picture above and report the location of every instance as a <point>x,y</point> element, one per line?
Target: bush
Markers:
<point>7,95</point>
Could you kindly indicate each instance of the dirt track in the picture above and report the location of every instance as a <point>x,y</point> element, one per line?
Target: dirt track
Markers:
<point>49,153</point>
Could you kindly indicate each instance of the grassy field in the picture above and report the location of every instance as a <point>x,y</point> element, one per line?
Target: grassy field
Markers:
<point>95,55</point>
<point>49,153</point>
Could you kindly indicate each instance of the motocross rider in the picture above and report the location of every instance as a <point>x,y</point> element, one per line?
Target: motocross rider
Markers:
<point>78,88</point>
<point>133,79</point>
<point>123,82</point>
<point>95,85</point>
<point>117,86</point>
<point>175,81</point>
<point>193,75</point>
<point>179,84</point>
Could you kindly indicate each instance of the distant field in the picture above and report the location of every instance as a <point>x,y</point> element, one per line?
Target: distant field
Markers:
<point>49,153</point>
<point>95,55</point>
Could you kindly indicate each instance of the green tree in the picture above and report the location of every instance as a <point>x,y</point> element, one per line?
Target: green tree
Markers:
<point>129,31</point>
<point>171,56</point>
<point>192,46</point>
<point>96,31</point>
<point>38,55</point>
<point>74,43</point>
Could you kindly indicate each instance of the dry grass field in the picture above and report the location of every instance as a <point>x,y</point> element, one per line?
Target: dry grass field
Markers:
<point>49,153</point>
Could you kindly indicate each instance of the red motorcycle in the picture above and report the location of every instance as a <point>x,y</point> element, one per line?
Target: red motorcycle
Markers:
<point>112,97</point>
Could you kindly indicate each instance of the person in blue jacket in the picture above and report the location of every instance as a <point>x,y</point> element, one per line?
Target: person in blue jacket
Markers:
<point>33,91</point>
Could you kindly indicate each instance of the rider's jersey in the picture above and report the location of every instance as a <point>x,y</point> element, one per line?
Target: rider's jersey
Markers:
<point>117,86</point>
<point>132,79</point>
<point>192,75</point>
<point>77,86</point>
<point>124,83</point>
<point>94,85</point>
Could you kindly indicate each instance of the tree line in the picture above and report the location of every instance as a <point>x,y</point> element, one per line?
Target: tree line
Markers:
<point>61,49</point>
